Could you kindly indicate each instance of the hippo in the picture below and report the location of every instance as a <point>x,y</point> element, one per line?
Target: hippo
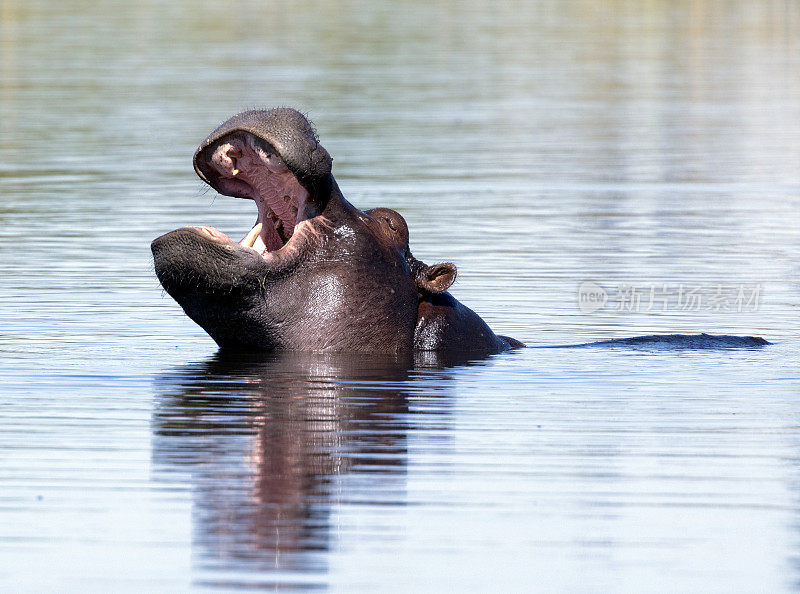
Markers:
<point>315,273</point>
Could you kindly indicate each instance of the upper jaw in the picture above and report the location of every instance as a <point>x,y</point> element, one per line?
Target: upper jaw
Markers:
<point>286,129</point>
<point>242,165</point>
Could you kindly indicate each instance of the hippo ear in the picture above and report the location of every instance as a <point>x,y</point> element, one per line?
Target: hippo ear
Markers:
<point>437,278</point>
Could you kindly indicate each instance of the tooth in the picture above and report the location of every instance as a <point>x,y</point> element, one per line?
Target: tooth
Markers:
<point>235,172</point>
<point>250,238</point>
<point>278,224</point>
<point>294,211</point>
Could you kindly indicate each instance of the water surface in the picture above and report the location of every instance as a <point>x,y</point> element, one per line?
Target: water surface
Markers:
<point>651,151</point>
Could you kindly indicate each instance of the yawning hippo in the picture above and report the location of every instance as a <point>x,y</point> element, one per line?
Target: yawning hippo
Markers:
<point>314,273</point>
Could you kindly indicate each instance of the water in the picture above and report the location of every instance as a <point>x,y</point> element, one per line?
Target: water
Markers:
<point>650,151</point>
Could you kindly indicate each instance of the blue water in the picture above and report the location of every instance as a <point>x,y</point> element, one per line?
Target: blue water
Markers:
<point>645,156</point>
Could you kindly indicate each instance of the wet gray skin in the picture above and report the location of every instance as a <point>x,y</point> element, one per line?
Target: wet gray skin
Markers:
<point>315,273</point>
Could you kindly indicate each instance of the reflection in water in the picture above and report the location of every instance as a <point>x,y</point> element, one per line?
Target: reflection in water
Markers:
<point>615,142</point>
<point>267,440</point>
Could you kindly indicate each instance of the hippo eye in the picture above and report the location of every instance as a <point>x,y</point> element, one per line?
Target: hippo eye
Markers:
<point>390,222</point>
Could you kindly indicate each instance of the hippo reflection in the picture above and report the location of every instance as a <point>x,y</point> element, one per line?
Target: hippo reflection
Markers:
<point>314,273</point>
<point>273,444</point>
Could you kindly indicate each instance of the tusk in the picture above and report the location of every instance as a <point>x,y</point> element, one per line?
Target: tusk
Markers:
<point>250,238</point>
<point>235,172</point>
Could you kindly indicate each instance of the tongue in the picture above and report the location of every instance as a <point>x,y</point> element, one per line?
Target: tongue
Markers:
<point>268,239</point>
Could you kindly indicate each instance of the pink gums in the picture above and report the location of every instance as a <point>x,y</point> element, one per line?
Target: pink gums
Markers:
<point>265,178</point>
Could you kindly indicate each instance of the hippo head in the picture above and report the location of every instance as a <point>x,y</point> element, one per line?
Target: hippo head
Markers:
<point>314,273</point>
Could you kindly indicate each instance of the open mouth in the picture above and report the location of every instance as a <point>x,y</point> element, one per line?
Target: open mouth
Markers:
<point>244,166</point>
